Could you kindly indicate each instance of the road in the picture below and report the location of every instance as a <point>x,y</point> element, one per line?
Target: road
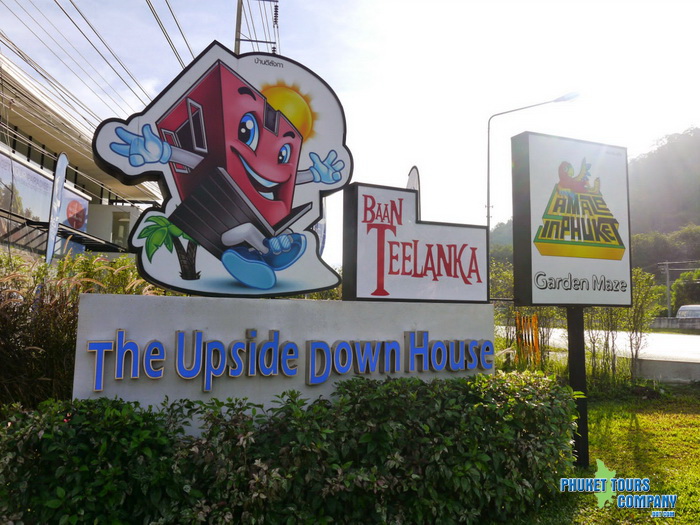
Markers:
<point>664,347</point>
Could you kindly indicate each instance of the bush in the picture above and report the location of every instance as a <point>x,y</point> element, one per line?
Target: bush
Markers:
<point>101,461</point>
<point>486,448</point>
<point>39,320</point>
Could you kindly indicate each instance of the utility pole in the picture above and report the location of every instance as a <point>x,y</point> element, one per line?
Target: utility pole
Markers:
<point>668,288</point>
<point>239,15</point>
<point>239,18</point>
<point>666,265</point>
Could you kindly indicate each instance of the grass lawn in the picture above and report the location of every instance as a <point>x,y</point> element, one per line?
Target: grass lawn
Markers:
<point>657,439</point>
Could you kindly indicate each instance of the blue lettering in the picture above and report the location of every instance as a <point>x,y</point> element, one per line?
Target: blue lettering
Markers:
<point>416,351</point>
<point>268,356</point>
<point>456,361</point>
<point>237,366</point>
<point>182,370</point>
<point>342,357</point>
<point>124,347</point>
<point>367,356</point>
<point>100,347</point>
<point>213,366</point>
<point>155,352</point>
<point>252,360</point>
<point>472,359</point>
<point>289,351</point>
<point>438,347</point>
<point>317,373</point>
<point>392,357</point>
<point>486,350</point>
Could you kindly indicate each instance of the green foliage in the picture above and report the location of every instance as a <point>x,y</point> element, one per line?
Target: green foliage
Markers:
<point>637,319</point>
<point>549,317</point>
<point>604,326</point>
<point>482,449</point>
<point>161,232</point>
<point>686,289</point>
<point>95,461</point>
<point>39,316</point>
<point>687,243</point>
<point>637,437</point>
<point>652,248</point>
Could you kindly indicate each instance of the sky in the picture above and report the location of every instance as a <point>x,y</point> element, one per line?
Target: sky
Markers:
<point>419,80</point>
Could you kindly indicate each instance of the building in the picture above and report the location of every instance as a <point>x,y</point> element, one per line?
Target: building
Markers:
<point>97,211</point>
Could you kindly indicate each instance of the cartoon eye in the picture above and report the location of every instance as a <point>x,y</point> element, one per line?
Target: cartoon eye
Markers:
<point>248,131</point>
<point>284,154</point>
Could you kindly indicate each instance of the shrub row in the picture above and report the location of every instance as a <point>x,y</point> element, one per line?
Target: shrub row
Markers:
<point>487,448</point>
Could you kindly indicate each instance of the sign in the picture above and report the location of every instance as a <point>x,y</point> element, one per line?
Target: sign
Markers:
<point>59,180</point>
<point>571,234</point>
<point>390,254</point>
<point>144,348</point>
<point>29,193</point>
<point>247,147</point>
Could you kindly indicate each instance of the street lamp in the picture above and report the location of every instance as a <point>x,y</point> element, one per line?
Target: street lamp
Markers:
<point>563,98</point>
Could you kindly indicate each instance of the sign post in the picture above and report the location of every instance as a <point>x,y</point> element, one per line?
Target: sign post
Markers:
<point>577,380</point>
<point>571,236</point>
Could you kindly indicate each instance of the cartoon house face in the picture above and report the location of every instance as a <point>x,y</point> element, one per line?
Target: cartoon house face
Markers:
<point>231,125</point>
<point>239,144</point>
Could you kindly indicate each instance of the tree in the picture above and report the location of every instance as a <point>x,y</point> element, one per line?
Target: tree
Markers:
<point>162,232</point>
<point>638,318</point>
<point>686,289</point>
<point>649,249</point>
<point>10,199</point>
<point>687,243</point>
<point>501,290</point>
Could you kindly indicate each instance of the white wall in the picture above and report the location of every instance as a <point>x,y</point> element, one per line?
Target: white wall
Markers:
<point>145,319</point>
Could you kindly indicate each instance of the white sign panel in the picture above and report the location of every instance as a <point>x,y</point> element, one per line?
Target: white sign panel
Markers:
<point>571,222</point>
<point>390,254</point>
<point>144,348</point>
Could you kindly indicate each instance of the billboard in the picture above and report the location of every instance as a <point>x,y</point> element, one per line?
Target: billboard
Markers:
<point>389,253</point>
<point>571,232</point>
<point>29,193</point>
<point>246,147</point>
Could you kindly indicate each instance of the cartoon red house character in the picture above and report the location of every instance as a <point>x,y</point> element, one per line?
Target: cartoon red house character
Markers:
<point>234,160</point>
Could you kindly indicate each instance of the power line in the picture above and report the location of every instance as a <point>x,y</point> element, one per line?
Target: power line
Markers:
<point>79,77</point>
<point>61,92</point>
<point>252,36</point>
<point>179,28</point>
<point>165,33</point>
<point>97,34</point>
<point>265,22</point>
<point>77,51</point>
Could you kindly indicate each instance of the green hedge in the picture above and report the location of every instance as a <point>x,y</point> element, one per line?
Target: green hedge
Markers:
<point>487,448</point>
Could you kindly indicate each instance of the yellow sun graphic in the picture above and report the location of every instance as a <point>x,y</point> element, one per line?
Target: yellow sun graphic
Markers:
<point>293,104</point>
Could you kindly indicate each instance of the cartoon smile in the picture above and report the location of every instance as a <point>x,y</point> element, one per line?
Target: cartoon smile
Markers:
<point>266,188</point>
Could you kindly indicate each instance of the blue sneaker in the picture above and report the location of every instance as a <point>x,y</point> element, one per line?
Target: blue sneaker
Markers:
<point>249,268</point>
<point>285,250</point>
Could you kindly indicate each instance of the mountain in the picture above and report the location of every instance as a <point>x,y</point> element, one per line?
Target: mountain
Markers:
<point>664,185</point>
